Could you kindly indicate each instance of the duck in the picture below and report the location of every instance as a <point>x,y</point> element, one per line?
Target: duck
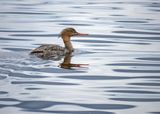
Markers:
<point>53,51</point>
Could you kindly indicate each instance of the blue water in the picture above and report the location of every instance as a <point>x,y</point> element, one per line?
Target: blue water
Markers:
<point>122,53</point>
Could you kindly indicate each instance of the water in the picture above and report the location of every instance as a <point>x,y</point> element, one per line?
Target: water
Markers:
<point>122,50</point>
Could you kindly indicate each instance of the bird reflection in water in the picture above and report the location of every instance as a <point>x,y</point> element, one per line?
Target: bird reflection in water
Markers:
<point>66,64</point>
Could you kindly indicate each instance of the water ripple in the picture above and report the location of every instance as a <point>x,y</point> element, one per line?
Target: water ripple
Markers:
<point>42,83</point>
<point>135,64</point>
<point>3,92</point>
<point>149,58</point>
<point>134,91</point>
<point>137,32</point>
<point>146,84</point>
<point>13,39</point>
<point>137,99</point>
<point>75,112</point>
<point>26,13</point>
<point>35,35</point>
<point>38,105</point>
<point>133,22</point>
<point>92,77</point>
<point>136,71</point>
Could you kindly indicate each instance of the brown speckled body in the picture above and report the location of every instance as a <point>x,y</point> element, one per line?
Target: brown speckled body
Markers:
<point>49,51</point>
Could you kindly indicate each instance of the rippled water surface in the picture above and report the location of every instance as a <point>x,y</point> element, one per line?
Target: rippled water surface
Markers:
<point>122,53</point>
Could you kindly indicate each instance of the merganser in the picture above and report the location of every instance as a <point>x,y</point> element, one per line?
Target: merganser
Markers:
<point>53,51</point>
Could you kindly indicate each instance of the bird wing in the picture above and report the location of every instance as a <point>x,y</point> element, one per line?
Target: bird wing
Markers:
<point>47,48</point>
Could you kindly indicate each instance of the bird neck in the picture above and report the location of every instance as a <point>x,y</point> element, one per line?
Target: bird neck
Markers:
<point>68,44</point>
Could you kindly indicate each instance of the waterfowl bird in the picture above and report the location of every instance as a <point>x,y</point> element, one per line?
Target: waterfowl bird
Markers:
<point>53,51</point>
